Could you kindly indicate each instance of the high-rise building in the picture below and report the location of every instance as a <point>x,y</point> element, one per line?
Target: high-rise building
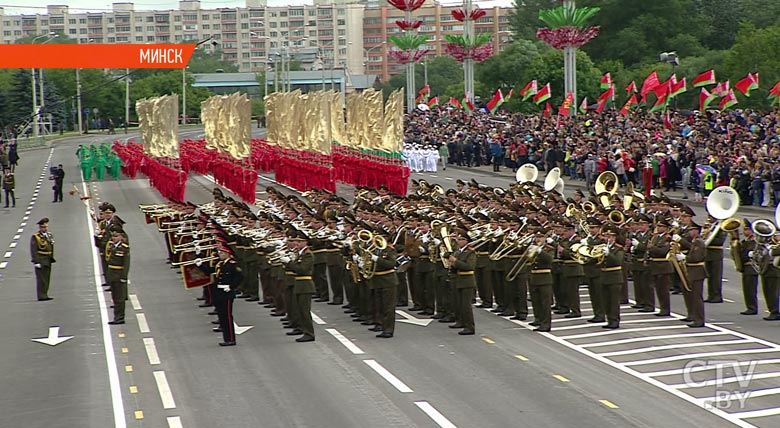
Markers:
<point>328,34</point>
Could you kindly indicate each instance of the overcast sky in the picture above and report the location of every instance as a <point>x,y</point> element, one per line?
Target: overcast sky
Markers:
<point>14,7</point>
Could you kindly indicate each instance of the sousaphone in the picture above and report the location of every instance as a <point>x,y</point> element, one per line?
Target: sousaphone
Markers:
<point>551,180</point>
<point>527,173</point>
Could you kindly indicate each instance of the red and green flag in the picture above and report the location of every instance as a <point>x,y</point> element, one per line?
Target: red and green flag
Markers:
<point>660,103</point>
<point>495,102</point>
<point>650,83</point>
<point>631,88</point>
<point>729,100</point>
<point>667,120</point>
<point>584,105</point>
<point>663,89</point>
<point>721,89</point>
<point>608,94</point>
<point>469,106</point>
<point>455,103</point>
<point>566,105</point>
<point>606,81</point>
<point>425,91</point>
<point>747,84</point>
<point>543,94</point>
<point>704,79</point>
<point>631,102</point>
<point>433,102</point>
<point>774,93</point>
<point>509,95</point>
<point>678,88</point>
<point>420,99</point>
<point>547,110</point>
<point>602,104</point>
<point>528,90</point>
<point>705,99</point>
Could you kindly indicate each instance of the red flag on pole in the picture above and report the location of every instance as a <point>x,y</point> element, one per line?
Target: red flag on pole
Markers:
<point>650,83</point>
<point>547,110</point>
<point>631,88</point>
<point>566,105</point>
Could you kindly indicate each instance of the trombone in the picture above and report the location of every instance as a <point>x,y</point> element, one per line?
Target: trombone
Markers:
<point>527,257</point>
<point>195,261</point>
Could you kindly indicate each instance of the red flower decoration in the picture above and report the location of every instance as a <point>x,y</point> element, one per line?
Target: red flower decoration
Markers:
<point>560,38</point>
<point>408,25</point>
<point>461,53</point>
<point>406,5</point>
<point>477,13</point>
<point>407,56</point>
<point>458,14</point>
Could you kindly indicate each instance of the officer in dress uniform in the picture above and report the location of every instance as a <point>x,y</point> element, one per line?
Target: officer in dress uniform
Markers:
<point>227,277</point>
<point>335,263</point>
<point>385,286</point>
<point>749,274</point>
<point>540,282</point>
<point>320,269</point>
<point>302,266</point>
<point>463,261</point>
<point>659,268</point>
<point>571,271</point>
<point>42,256</point>
<point>612,277</point>
<point>118,264</point>
<point>643,291</point>
<point>770,283</point>
<point>713,264</point>
<point>593,271</point>
<point>694,263</point>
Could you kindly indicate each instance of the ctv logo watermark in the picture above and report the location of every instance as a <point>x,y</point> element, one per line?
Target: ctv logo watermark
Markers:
<point>730,378</point>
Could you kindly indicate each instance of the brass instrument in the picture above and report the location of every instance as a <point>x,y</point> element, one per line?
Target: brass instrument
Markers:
<point>195,261</point>
<point>446,249</point>
<point>589,207</point>
<point>680,268</point>
<point>616,216</point>
<point>196,249</point>
<point>528,256</point>
<point>527,173</point>
<point>507,245</point>
<point>732,226</point>
<point>722,203</point>
<point>584,254</point>
<point>437,191</point>
<point>607,182</point>
<point>762,259</point>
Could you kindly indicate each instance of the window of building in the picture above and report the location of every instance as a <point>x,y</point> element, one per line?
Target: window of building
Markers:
<point>244,15</point>
<point>70,22</point>
<point>123,29</point>
<point>256,24</point>
<point>274,25</point>
<point>190,17</point>
<point>149,38</point>
<point>341,22</point>
<point>44,22</point>
<point>312,12</point>
<point>245,55</point>
<point>256,13</point>
<point>296,12</point>
<point>325,12</point>
<point>244,25</point>
<point>230,16</point>
<point>206,26</point>
<point>150,19</point>
<point>177,28</point>
<point>229,26</point>
<point>17,33</point>
<point>274,34</point>
<point>176,18</point>
<point>139,38</point>
<point>110,29</point>
<point>216,26</point>
<point>8,23</point>
<point>230,36</point>
<point>372,40</point>
<point>111,40</point>
<point>177,38</point>
<point>83,21</point>
<point>190,27</point>
<point>150,28</point>
<point>205,17</point>
<point>283,24</point>
<point>139,28</point>
<point>83,31</point>
<point>7,33</point>
<point>312,33</point>
<point>72,31</point>
<point>342,32</point>
<point>485,20</point>
<point>215,16</point>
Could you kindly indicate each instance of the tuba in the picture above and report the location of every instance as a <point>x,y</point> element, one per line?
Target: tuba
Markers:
<point>763,229</point>
<point>551,180</point>
<point>722,204</point>
<point>527,173</point>
<point>607,182</point>
<point>731,226</point>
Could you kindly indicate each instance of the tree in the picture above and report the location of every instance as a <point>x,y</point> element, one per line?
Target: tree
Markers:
<point>755,50</point>
<point>525,18</point>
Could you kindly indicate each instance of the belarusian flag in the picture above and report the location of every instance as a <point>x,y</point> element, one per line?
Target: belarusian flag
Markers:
<point>584,105</point>
<point>601,105</point>
<point>746,85</point>
<point>631,88</point>
<point>630,103</point>
<point>495,102</point>
<point>528,90</point>
<point>705,98</point>
<point>606,81</point>
<point>455,103</point>
<point>774,93</point>
<point>566,105</point>
<point>425,91</point>
<point>667,120</point>
<point>755,78</point>
<point>434,102</point>
<point>420,99</point>
<point>547,110</point>
<point>678,88</point>
<point>509,95</point>
<point>661,103</point>
<point>468,104</point>
<point>608,94</point>
<point>704,79</point>
<point>729,100</point>
<point>650,83</point>
<point>721,89</point>
<point>543,94</point>
<point>663,88</point>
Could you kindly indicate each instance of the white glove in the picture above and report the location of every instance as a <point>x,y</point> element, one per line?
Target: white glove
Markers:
<point>584,241</point>
<point>605,251</point>
<point>680,257</point>
<point>348,242</point>
<point>424,239</point>
<point>197,251</point>
<point>750,254</point>
<point>538,250</point>
<point>549,240</point>
<point>224,287</point>
<point>123,281</point>
<point>634,242</point>
<point>436,241</point>
<point>333,238</point>
<point>422,249</point>
<point>198,262</point>
<point>374,257</point>
<point>361,264</point>
<point>355,258</point>
<point>285,259</point>
<point>676,238</point>
<point>37,266</point>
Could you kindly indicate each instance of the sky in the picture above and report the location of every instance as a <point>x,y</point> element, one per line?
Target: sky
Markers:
<point>15,7</point>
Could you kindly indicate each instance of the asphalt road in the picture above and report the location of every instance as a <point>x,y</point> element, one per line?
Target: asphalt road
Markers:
<point>164,368</point>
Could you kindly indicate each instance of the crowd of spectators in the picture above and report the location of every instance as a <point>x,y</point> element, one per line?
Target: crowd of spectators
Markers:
<point>691,151</point>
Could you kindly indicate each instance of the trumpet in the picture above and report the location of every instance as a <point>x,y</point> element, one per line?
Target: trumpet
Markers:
<point>196,249</point>
<point>193,262</point>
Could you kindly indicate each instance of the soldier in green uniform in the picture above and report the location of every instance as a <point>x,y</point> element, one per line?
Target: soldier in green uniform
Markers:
<point>612,277</point>
<point>118,264</point>
<point>250,260</point>
<point>659,268</point>
<point>42,256</point>
<point>749,274</point>
<point>540,283</point>
<point>320,272</point>
<point>643,293</point>
<point>713,263</point>
<point>463,262</point>
<point>385,286</point>
<point>483,274</point>
<point>303,289</point>
<point>592,271</point>
<point>424,269</point>
<point>770,283</point>
<point>694,263</point>
<point>571,271</point>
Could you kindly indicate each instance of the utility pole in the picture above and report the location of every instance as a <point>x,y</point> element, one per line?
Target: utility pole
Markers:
<point>78,100</point>
<point>127,99</point>
<point>35,106</point>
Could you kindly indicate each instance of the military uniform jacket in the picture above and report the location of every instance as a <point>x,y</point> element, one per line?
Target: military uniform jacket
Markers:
<point>715,249</point>
<point>302,266</point>
<point>228,272</point>
<point>118,258</point>
<point>463,268</point>
<point>570,267</point>
<point>657,249</point>
<point>318,251</point>
<point>746,246</point>
<point>612,266</point>
<point>427,250</point>
<point>592,268</point>
<point>772,271</point>
<point>541,271</point>
<point>639,252</point>
<point>694,263</point>
<point>384,275</point>
<point>42,249</point>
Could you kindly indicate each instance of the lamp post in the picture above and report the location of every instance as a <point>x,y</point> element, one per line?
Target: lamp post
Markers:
<point>368,51</point>
<point>184,96</point>
<point>127,99</point>
<point>78,95</point>
<point>35,109</point>
<point>425,71</point>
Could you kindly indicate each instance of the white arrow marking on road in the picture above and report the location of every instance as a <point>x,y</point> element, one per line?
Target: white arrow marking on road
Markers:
<point>54,338</point>
<point>241,330</point>
<point>412,320</point>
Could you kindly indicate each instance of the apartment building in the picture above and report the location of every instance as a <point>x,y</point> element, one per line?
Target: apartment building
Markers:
<point>329,34</point>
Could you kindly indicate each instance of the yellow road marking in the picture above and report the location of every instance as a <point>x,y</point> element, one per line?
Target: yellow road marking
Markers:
<point>121,335</point>
<point>561,378</point>
<point>128,369</point>
<point>124,350</point>
<point>134,390</point>
<point>521,358</point>
<point>488,340</point>
<point>609,404</point>
<point>139,414</point>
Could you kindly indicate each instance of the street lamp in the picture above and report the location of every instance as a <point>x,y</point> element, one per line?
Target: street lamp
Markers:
<point>78,94</point>
<point>368,51</point>
<point>671,59</point>
<point>35,107</point>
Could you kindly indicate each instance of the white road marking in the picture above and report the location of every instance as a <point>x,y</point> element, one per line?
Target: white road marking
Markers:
<point>174,422</point>
<point>134,301</point>
<point>108,344</point>
<point>591,325</point>
<point>727,300</point>
<point>622,330</point>
<point>3,265</point>
<point>165,390</point>
<point>698,355</point>
<point>344,341</point>
<point>718,366</point>
<point>649,338</point>
<point>675,346</point>
<point>8,254</point>
<point>151,351</point>
<point>757,413</point>
<point>434,414</point>
<point>381,371</point>
<point>16,237</point>
<point>25,217</point>
<point>142,324</point>
<point>719,381</point>
<point>316,319</point>
<point>448,178</point>
<point>12,245</point>
<point>20,231</point>
<point>23,224</point>
<point>741,394</point>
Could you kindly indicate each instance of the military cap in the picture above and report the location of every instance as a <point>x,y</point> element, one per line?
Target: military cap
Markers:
<point>542,231</point>
<point>460,182</point>
<point>43,221</point>
<point>610,230</point>
<point>116,228</point>
<point>579,193</point>
<point>746,223</point>
<point>107,208</point>
<point>662,222</point>
<point>688,211</point>
<point>643,218</point>
<point>473,183</point>
<point>695,226</point>
<point>226,249</point>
